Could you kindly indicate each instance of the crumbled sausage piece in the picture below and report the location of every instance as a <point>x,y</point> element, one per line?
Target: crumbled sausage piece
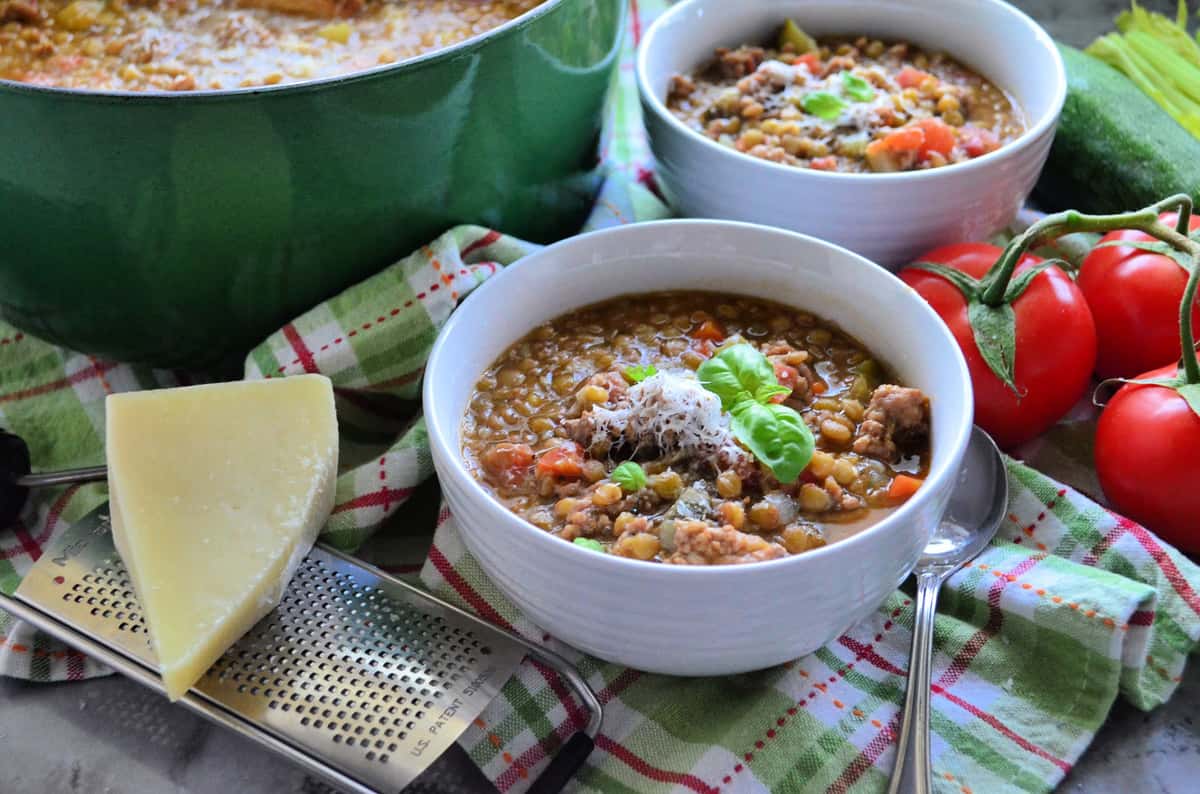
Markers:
<point>700,543</point>
<point>682,86</point>
<point>25,11</point>
<point>896,420</point>
<point>740,62</point>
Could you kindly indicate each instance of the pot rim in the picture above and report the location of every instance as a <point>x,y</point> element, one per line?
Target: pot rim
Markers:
<point>212,94</point>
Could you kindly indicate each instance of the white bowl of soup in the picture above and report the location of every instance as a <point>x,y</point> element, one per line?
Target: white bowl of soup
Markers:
<point>584,445</point>
<point>886,126</point>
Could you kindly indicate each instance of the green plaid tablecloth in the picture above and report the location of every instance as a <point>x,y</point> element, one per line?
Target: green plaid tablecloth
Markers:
<point>1070,607</point>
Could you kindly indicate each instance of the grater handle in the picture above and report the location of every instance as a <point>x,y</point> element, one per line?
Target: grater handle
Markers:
<point>14,464</point>
<point>566,763</point>
<point>16,481</point>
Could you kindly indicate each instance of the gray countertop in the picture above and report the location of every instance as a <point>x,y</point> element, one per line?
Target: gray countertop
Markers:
<point>111,736</point>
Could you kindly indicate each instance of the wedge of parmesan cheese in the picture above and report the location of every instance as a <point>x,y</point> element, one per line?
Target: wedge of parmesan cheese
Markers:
<point>672,412</point>
<point>217,493</point>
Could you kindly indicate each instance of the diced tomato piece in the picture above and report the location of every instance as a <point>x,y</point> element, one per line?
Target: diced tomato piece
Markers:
<point>787,376</point>
<point>564,462</point>
<point>810,60</point>
<point>909,77</point>
<point>710,330</point>
<point>939,137</point>
<point>506,464</point>
<point>903,487</point>
<point>704,347</point>
<point>977,141</point>
<point>823,163</point>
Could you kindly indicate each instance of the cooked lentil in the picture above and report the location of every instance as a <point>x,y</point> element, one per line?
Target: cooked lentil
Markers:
<point>539,444</point>
<point>848,104</point>
<point>181,45</point>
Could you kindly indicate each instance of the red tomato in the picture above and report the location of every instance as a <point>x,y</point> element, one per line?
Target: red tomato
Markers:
<point>823,163</point>
<point>909,77</point>
<point>1134,296</point>
<point>1146,456</point>
<point>564,461</point>
<point>787,376</point>
<point>1055,342</point>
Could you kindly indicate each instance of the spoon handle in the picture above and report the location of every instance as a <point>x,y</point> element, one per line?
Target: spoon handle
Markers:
<point>912,774</point>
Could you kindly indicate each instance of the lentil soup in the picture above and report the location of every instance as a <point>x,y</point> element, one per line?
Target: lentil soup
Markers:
<point>845,104</point>
<point>605,427</point>
<point>181,45</point>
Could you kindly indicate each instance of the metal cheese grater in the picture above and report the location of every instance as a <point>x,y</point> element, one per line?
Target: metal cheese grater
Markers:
<point>360,678</point>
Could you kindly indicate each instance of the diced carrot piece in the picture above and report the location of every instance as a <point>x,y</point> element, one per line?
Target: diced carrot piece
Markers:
<point>564,461</point>
<point>903,487</point>
<point>819,387</point>
<point>939,137</point>
<point>710,330</point>
<point>787,376</point>
<point>905,139</point>
<point>809,59</point>
<point>823,163</point>
<point>909,77</point>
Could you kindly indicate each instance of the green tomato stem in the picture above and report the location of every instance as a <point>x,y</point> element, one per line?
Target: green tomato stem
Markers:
<point>995,283</point>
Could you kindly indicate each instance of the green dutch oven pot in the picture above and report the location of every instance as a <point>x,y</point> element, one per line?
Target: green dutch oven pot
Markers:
<point>181,229</point>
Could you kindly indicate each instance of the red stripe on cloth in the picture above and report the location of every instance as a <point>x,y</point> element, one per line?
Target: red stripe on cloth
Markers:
<point>94,371</point>
<point>635,21</point>
<point>866,759</point>
<point>638,765</point>
<point>962,660</point>
<point>575,713</point>
<point>75,661</point>
<point>383,497</point>
<point>867,652</point>
<point>52,516</point>
<point>464,589</point>
<point>1159,555</point>
<point>303,354</point>
<point>1142,618</point>
<point>28,544</point>
<point>1001,728</point>
<point>618,685</point>
<point>483,242</point>
<point>1103,545</point>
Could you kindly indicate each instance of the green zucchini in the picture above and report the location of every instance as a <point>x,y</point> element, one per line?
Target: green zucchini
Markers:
<point>1115,148</point>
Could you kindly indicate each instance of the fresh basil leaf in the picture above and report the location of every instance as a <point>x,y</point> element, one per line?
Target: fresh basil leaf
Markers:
<point>769,390</point>
<point>639,373</point>
<point>589,544</point>
<point>630,476</point>
<point>776,435</point>
<point>857,88</point>
<point>995,332</point>
<point>1181,258</point>
<point>967,284</point>
<point>823,105</point>
<point>736,373</point>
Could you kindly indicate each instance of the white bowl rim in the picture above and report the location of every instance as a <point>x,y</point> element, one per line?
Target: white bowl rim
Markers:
<point>939,471</point>
<point>1034,132</point>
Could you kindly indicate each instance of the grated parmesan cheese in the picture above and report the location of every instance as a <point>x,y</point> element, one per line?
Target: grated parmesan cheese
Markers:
<point>674,413</point>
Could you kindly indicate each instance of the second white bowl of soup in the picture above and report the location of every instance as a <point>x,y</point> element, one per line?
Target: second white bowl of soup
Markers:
<point>588,359</point>
<point>974,87</point>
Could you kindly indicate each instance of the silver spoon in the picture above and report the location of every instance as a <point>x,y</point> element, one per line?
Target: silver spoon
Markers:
<point>977,506</point>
